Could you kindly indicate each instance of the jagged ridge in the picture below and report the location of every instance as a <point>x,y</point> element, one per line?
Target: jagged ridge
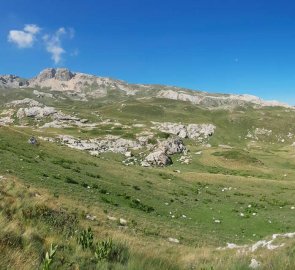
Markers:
<point>87,86</point>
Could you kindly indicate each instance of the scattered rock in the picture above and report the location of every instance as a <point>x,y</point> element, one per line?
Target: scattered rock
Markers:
<point>128,154</point>
<point>112,218</point>
<point>26,101</point>
<point>42,94</point>
<point>254,264</point>
<point>37,194</point>
<point>268,244</point>
<point>90,217</point>
<point>5,121</point>
<point>123,222</point>
<point>33,141</point>
<point>185,159</point>
<point>173,240</point>
<point>258,133</point>
<point>157,158</point>
<point>47,139</point>
<point>224,146</point>
<point>138,125</point>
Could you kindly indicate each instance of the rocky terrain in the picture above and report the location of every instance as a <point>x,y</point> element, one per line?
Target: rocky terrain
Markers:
<point>59,84</point>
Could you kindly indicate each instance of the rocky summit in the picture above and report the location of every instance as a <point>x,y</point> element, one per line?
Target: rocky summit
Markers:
<point>83,86</point>
<point>134,176</point>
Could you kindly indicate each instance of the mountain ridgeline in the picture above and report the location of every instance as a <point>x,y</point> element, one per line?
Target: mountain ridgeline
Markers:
<point>86,87</point>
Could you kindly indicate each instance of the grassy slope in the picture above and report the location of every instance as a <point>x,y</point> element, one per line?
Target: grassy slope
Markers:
<point>196,192</point>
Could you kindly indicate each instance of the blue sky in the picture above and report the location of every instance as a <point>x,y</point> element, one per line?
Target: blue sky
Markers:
<point>229,46</point>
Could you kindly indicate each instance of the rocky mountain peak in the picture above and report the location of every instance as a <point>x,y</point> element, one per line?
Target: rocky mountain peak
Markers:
<point>61,74</point>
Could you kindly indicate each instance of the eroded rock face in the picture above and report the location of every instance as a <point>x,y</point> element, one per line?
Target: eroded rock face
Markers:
<point>38,112</point>
<point>46,74</point>
<point>179,95</point>
<point>79,86</point>
<point>196,130</point>
<point>26,101</point>
<point>34,109</point>
<point>63,74</point>
<point>213,100</point>
<point>108,144</point>
<point>12,81</point>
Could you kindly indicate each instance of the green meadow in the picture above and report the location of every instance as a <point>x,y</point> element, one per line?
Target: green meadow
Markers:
<point>239,191</point>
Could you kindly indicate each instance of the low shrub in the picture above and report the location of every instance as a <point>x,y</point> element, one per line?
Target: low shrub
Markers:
<point>111,252</point>
<point>85,238</point>
<point>70,180</point>
<point>139,205</point>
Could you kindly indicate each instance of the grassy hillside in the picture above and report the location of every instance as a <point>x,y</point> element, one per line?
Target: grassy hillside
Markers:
<point>240,190</point>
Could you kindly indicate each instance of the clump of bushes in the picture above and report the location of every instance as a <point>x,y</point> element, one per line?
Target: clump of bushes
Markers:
<point>97,176</point>
<point>70,180</point>
<point>105,250</point>
<point>59,219</point>
<point>137,204</point>
<point>85,239</point>
<point>111,252</point>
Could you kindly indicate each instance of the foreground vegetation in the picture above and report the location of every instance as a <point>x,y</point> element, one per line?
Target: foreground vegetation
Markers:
<point>49,190</point>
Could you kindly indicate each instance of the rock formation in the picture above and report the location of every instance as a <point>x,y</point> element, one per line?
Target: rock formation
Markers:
<point>192,131</point>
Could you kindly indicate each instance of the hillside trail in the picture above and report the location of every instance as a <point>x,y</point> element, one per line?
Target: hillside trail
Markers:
<point>18,131</point>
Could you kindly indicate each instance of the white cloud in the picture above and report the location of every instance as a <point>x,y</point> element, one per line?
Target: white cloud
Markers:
<point>32,28</point>
<point>53,42</point>
<point>24,38</point>
<point>54,46</point>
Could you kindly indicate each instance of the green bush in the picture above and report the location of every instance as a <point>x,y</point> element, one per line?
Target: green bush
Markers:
<point>114,253</point>
<point>139,205</point>
<point>85,238</point>
<point>49,257</point>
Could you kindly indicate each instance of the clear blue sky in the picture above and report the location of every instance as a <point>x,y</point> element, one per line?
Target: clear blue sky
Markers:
<point>231,46</point>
